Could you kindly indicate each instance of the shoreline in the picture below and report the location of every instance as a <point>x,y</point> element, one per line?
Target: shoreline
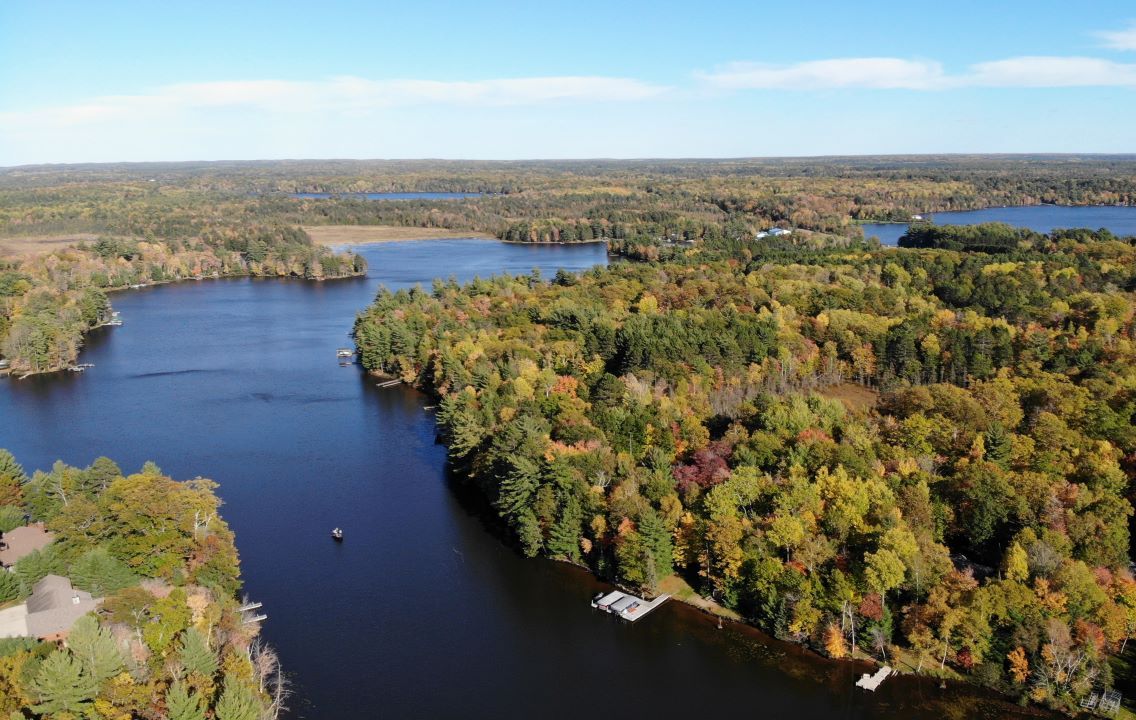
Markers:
<point>12,372</point>
<point>682,592</point>
<point>932,213</point>
<point>578,242</point>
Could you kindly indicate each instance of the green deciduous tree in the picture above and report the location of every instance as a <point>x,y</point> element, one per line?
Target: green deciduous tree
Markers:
<point>12,477</point>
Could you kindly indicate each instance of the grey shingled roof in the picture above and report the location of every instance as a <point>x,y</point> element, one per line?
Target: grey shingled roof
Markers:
<point>23,541</point>
<point>54,606</point>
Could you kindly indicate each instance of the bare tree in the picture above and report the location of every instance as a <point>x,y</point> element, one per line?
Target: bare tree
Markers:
<point>269,677</point>
<point>880,642</point>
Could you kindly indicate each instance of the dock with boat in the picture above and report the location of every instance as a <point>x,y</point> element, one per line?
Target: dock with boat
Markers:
<point>872,681</point>
<point>627,606</point>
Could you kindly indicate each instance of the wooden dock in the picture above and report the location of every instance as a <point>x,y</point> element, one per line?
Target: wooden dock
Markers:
<point>871,682</point>
<point>388,383</point>
<point>627,606</point>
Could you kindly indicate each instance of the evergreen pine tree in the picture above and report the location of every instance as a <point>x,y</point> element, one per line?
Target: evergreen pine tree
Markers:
<point>657,538</point>
<point>102,472</point>
<point>195,654</point>
<point>62,686</point>
<point>100,573</point>
<point>95,649</point>
<point>181,704</point>
<point>11,516</point>
<point>564,537</point>
<point>10,586</point>
<point>238,702</point>
<point>998,447</point>
<point>528,532</point>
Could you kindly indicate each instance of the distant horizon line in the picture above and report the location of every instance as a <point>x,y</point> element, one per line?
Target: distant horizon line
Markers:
<point>678,158</point>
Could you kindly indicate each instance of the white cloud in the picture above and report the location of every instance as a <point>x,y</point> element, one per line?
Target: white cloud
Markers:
<point>336,95</point>
<point>1051,72</point>
<point>1119,39</point>
<point>877,73</point>
<point>900,74</point>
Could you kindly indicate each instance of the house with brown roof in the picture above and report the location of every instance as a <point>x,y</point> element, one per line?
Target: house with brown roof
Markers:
<point>55,605</point>
<point>23,541</point>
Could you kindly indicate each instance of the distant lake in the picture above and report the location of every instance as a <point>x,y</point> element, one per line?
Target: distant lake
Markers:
<point>1041,218</point>
<point>422,611</point>
<point>389,196</point>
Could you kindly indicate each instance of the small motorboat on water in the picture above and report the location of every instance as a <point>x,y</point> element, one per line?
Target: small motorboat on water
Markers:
<point>337,535</point>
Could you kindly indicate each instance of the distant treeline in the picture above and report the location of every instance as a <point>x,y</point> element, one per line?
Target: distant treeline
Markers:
<point>567,201</point>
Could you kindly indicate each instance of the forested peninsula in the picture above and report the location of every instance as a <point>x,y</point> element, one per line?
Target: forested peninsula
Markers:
<point>922,455</point>
<point>155,565</point>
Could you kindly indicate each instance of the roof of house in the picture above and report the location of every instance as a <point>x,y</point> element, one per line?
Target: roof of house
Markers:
<point>54,606</point>
<point>23,541</point>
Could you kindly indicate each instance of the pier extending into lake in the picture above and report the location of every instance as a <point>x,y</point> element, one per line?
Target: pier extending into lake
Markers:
<point>871,682</point>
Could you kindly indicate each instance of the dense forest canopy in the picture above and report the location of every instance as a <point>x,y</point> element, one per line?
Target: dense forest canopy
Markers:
<point>928,453</point>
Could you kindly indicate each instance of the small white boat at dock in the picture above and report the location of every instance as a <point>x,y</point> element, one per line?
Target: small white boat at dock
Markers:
<point>625,605</point>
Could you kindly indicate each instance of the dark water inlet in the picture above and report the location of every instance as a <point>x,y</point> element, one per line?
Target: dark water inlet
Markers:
<point>1041,218</point>
<point>421,612</point>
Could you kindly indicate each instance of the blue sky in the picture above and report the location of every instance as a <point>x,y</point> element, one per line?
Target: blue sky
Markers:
<point>128,81</point>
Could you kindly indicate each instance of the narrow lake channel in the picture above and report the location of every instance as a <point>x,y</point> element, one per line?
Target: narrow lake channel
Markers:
<point>422,612</point>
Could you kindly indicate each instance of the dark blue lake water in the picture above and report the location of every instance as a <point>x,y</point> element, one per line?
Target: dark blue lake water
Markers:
<point>1042,218</point>
<point>422,612</point>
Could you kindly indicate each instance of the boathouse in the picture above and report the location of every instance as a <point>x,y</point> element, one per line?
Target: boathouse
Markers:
<point>626,606</point>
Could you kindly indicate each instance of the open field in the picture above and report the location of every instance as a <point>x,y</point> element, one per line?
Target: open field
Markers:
<point>359,234</point>
<point>856,398</point>
<point>33,244</point>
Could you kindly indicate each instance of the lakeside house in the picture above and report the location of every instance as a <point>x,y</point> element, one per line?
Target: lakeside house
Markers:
<point>49,612</point>
<point>773,232</point>
<point>55,605</point>
<point>21,542</point>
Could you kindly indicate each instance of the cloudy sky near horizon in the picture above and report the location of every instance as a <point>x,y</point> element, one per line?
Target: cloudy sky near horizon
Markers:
<point>132,81</point>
